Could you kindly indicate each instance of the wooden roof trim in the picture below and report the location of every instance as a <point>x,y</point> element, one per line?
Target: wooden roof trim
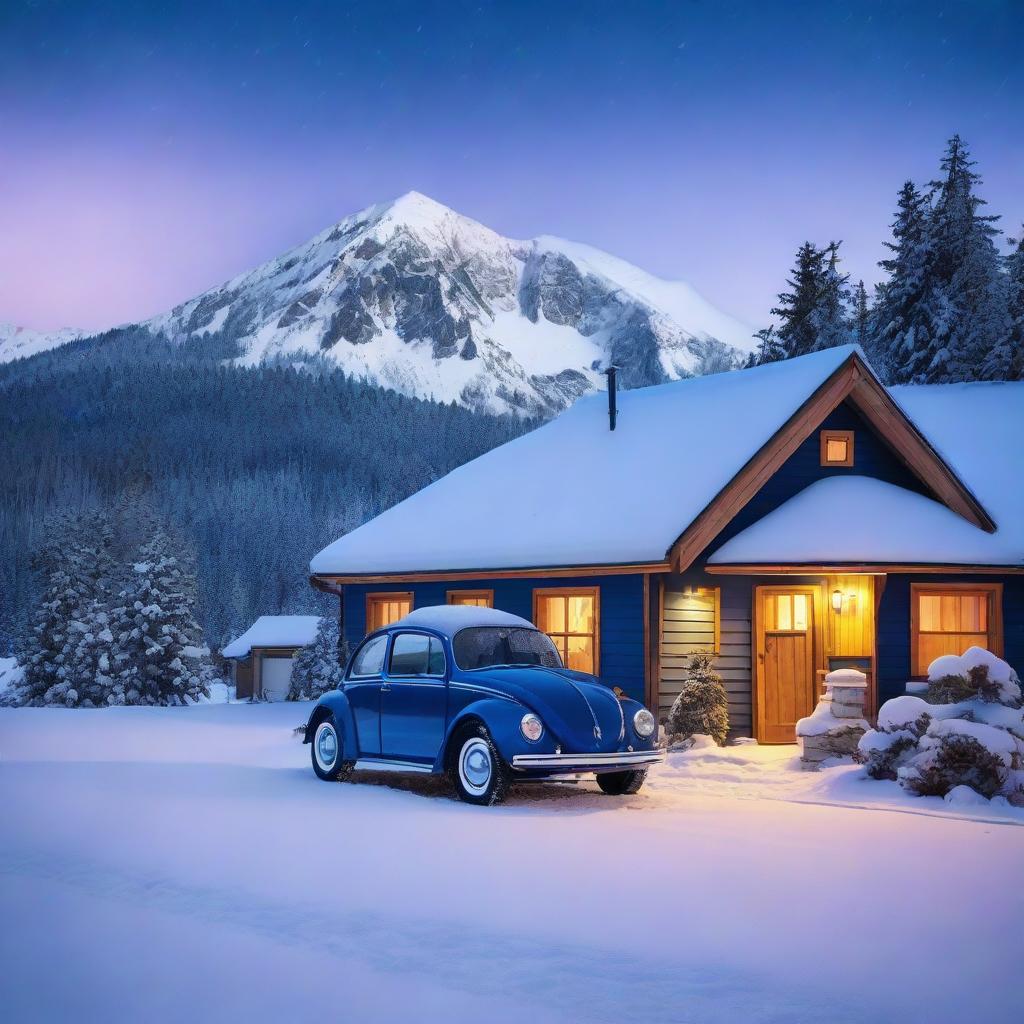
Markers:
<point>325,581</point>
<point>854,568</point>
<point>761,467</point>
<point>854,380</point>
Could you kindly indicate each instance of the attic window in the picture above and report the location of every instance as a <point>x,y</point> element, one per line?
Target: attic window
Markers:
<point>837,447</point>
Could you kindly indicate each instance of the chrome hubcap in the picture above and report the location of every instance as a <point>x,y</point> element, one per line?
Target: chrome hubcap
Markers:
<point>326,746</point>
<point>475,765</point>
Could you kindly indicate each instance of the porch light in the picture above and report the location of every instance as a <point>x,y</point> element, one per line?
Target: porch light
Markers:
<point>837,601</point>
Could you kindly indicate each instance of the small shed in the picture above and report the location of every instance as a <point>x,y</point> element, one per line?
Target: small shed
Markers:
<point>261,658</point>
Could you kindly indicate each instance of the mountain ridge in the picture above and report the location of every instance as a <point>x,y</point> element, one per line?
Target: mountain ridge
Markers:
<point>411,295</point>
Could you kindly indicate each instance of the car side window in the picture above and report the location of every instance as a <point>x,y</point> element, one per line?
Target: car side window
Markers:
<point>370,659</point>
<point>415,654</point>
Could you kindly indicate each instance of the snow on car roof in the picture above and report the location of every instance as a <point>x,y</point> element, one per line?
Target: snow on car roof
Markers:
<point>274,631</point>
<point>862,519</point>
<point>450,618</point>
<point>574,492</point>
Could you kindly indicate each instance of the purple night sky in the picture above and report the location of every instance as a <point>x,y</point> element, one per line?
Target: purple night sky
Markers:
<point>152,153</point>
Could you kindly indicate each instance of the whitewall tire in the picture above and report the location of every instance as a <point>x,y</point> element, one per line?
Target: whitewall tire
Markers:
<point>327,752</point>
<point>476,768</point>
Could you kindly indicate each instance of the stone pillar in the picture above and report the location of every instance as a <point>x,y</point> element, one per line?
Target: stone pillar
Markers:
<point>837,723</point>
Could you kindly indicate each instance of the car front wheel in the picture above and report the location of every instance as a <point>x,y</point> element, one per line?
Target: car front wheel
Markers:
<point>477,770</point>
<point>327,753</point>
<point>622,783</point>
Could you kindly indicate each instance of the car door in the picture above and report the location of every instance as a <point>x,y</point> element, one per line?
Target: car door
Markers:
<point>362,688</point>
<point>414,698</point>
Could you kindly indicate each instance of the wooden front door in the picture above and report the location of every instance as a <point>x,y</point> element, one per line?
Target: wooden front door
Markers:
<point>784,660</point>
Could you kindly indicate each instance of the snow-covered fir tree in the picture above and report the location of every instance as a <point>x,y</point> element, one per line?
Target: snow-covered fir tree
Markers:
<point>769,348</point>
<point>1006,359</point>
<point>830,318</point>
<point>898,328</point>
<point>860,317</point>
<point>62,651</point>
<point>797,330</point>
<point>161,657</point>
<point>319,666</point>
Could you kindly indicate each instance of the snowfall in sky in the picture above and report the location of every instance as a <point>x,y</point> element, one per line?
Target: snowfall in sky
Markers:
<point>184,864</point>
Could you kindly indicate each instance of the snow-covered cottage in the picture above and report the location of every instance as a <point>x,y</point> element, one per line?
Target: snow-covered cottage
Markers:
<point>261,658</point>
<point>793,518</point>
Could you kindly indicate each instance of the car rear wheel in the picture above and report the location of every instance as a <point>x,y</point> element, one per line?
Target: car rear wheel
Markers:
<point>622,783</point>
<point>476,768</point>
<point>326,750</point>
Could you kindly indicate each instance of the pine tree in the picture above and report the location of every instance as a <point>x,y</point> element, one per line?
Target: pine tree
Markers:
<point>797,331</point>
<point>702,707</point>
<point>61,652</point>
<point>769,348</point>
<point>964,297</point>
<point>320,666</point>
<point>163,659</point>
<point>860,318</point>
<point>1006,360</point>
<point>829,318</point>
<point>899,333</point>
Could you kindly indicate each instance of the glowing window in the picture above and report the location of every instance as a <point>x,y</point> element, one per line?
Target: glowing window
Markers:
<point>837,447</point>
<point>472,598</point>
<point>383,609</point>
<point>570,618</point>
<point>949,620</point>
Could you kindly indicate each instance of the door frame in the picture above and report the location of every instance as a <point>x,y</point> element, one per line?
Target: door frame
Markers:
<point>757,644</point>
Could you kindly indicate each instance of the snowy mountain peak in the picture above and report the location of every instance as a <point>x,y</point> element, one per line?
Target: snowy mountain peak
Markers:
<point>412,295</point>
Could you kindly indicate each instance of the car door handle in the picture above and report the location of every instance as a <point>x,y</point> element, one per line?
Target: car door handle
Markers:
<point>385,687</point>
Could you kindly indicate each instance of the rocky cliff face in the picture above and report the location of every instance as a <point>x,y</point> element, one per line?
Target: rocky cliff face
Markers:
<point>413,296</point>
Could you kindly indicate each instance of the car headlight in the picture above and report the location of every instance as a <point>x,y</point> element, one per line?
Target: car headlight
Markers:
<point>644,723</point>
<point>531,727</point>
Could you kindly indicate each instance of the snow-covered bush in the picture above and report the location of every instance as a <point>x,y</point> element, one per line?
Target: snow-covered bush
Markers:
<point>319,666</point>
<point>702,707</point>
<point>967,730</point>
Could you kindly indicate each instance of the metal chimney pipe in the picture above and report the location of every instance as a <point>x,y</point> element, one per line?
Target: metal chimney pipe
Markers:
<point>612,409</point>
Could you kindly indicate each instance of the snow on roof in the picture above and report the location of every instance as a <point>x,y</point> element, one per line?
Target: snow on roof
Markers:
<point>450,618</point>
<point>862,519</point>
<point>574,492</point>
<point>274,631</point>
<point>978,429</point>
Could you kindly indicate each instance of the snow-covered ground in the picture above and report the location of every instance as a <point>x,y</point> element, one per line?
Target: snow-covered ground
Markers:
<point>183,863</point>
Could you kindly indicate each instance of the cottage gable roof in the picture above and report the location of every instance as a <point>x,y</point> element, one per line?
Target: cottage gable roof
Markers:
<point>684,458</point>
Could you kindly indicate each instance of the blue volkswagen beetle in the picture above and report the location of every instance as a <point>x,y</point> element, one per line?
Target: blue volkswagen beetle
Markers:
<point>482,696</point>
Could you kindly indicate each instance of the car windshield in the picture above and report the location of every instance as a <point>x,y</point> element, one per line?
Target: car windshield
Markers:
<point>487,646</point>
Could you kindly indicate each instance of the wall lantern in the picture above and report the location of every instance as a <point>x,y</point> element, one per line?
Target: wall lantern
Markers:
<point>837,601</point>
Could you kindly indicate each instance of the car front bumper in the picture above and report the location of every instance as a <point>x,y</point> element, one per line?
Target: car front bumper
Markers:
<point>617,760</point>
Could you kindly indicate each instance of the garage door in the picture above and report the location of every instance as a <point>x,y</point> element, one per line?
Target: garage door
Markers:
<point>275,675</point>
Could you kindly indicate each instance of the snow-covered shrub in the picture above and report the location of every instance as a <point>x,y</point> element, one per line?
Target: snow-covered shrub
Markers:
<point>955,760</point>
<point>319,666</point>
<point>702,707</point>
<point>967,730</point>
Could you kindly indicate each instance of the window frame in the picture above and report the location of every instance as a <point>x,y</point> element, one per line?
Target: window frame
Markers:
<point>994,596</point>
<point>381,596</point>
<point>837,435</point>
<point>430,638</point>
<point>487,595</point>
<point>566,592</point>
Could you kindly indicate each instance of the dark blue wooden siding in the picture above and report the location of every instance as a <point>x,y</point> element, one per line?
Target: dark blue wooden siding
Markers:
<point>621,622</point>
<point>872,457</point>
<point>893,627</point>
